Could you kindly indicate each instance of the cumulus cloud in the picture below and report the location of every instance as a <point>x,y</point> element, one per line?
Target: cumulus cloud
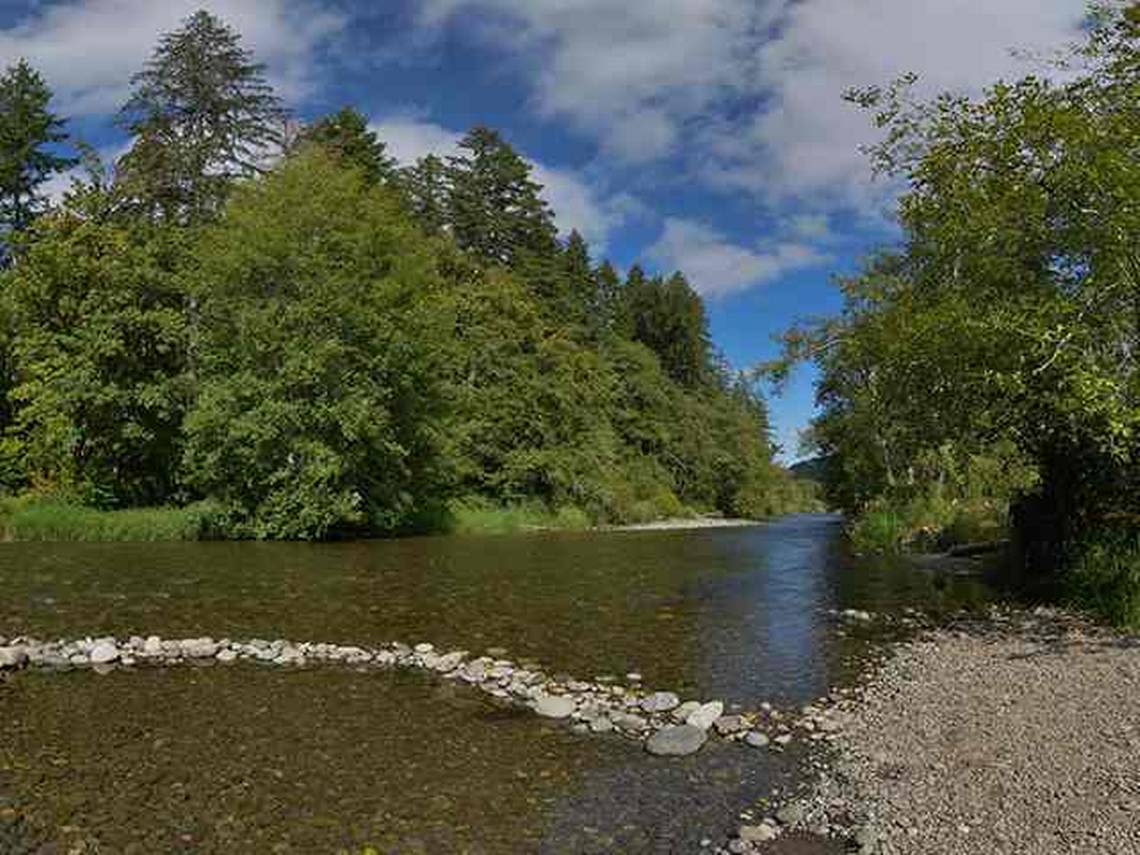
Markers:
<point>88,49</point>
<point>752,87</point>
<point>717,267</point>
<point>576,203</point>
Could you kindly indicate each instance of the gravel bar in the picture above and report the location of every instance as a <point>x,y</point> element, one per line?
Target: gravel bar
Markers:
<point>1017,734</point>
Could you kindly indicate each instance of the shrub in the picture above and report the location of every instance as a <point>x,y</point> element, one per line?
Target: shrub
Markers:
<point>1104,577</point>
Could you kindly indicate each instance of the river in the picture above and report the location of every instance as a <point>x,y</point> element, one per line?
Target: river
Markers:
<point>323,759</point>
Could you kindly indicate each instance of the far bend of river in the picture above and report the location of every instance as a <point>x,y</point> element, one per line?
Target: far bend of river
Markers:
<point>244,759</point>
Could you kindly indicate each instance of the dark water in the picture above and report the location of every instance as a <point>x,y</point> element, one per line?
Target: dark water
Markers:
<point>246,759</point>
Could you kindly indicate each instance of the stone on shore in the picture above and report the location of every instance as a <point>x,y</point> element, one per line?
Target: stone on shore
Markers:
<point>676,741</point>
<point>555,706</point>
<point>761,833</point>
<point>103,653</point>
<point>660,702</point>
<point>756,739</point>
<point>198,648</point>
<point>685,710</point>
<point>704,716</point>
<point>727,725</point>
<point>13,657</point>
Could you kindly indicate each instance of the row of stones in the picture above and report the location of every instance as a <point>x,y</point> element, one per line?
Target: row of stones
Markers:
<point>666,725</point>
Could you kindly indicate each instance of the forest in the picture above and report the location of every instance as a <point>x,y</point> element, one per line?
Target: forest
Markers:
<point>248,326</point>
<point>983,378</point>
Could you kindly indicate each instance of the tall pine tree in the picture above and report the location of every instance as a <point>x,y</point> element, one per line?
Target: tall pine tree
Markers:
<point>495,207</point>
<point>202,114</point>
<point>29,131</point>
<point>346,135</point>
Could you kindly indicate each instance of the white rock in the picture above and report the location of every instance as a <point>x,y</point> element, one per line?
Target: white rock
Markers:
<point>756,739</point>
<point>13,657</point>
<point>198,648</point>
<point>103,653</point>
<point>555,706</point>
<point>226,656</point>
<point>761,833</point>
<point>685,710</point>
<point>660,702</point>
<point>704,716</point>
<point>424,647</point>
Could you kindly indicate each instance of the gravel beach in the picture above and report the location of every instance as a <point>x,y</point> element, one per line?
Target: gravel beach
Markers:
<point>1020,734</point>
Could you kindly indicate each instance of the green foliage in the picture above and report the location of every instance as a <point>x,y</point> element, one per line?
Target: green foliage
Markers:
<point>99,343</point>
<point>317,388</point>
<point>475,515</point>
<point>202,115</point>
<point>990,359</point>
<point>33,519</point>
<point>28,130</point>
<point>345,135</point>
<point>1104,576</point>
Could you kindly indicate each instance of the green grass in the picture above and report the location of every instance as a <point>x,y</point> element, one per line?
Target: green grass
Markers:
<point>23,519</point>
<point>478,516</point>
<point>927,524</point>
<point>1104,578</point>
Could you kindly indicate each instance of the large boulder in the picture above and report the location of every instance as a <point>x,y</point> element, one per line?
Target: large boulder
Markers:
<point>555,706</point>
<point>13,657</point>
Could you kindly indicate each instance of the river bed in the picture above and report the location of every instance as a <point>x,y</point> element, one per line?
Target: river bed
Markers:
<point>241,758</point>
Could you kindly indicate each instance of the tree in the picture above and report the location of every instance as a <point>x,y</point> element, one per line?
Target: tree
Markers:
<point>319,350</point>
<point>99,349</point>
<point>29,131</point>
<point>495,209</point>
<point>427,190</point>
<point>202,115</point>
<point>668,316</point>
<point>346,134</point>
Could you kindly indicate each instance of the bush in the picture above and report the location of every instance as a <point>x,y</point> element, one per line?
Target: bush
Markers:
<point>1104,577</point>
<point>476,515</point>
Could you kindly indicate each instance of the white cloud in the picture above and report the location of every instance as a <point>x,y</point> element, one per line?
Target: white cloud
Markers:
<point>716,266</point>
<point>88,49</point>
<point>752,88</point>
<point>576,204</point>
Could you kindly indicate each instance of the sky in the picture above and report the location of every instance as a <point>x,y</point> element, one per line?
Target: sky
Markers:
<point>709,136</point>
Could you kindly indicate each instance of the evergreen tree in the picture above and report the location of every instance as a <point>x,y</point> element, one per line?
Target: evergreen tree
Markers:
<point>346,134</point>
<point>668,316</point>
<point>202,114</point>
<point>426,187</point>
<point>609,308</point>
<point>27,131</point>
<point>495,208</point>
<point>578,291</point>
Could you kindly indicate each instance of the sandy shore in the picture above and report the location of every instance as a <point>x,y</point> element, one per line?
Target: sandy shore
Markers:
<point>1016,735</point>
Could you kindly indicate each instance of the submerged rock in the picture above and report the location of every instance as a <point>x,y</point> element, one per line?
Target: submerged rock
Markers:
<point>676,741</point>
<point>13,657</point>
<point>727,725</point>
<point>756,739</point>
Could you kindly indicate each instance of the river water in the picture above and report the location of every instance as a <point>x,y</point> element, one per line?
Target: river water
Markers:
<point>244,759</point>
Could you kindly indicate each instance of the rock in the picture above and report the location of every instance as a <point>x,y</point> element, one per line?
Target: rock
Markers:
<point>791,814</point>
<point>227,656</point>
<point>660,702</point>
<point>199,648</point>
<point>756,739</point>
<point>685,710</point>
<point>783,739</point>
<point>676,741</point>
<point>152,646</point>
<point>601,724</point>
<point>629,722</point>
<point>555,706</point>
<point>13,657</point>
<point>727,725</point>
<point>761,833</point>
<point>450,661</point>
<point>424,647</point>
<point>633,677</point>
<point>103,653</point>
<point>704,716</point>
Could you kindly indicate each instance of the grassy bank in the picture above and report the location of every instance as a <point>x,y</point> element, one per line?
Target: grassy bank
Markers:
<point>24,519</point>
<point>928,525</point>
<point>1103,577</point>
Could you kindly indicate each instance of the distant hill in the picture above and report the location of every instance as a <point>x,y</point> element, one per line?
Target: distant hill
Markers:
<point>810,469</point>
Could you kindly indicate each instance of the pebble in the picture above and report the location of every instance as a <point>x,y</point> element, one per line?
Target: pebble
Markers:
<point>555,706</point>
<point>756,739</point>
<point>676,740</point>
<point>660,702</point>
<point>704,716</point>
<point>103,653</point>
<point>13,657</point>
<point>761,833</point>
<point>727,725</point>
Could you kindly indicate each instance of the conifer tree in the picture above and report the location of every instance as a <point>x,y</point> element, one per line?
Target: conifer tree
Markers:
<point>425,187</point>
<point>495,207</point>
<point>202,114</point>
<point>28,131</point>
<point>346,135</point>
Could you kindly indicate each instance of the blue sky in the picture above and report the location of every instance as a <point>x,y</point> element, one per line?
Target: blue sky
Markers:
<point>705,135</point>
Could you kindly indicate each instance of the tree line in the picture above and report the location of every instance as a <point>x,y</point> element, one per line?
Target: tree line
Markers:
<point>983,376</point>
<point>279,323</point>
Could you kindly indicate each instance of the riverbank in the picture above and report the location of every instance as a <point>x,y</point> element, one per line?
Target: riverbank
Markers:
<point>1018,734</point>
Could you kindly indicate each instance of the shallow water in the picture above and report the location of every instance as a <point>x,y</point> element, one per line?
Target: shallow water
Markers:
<point>249,759</point>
